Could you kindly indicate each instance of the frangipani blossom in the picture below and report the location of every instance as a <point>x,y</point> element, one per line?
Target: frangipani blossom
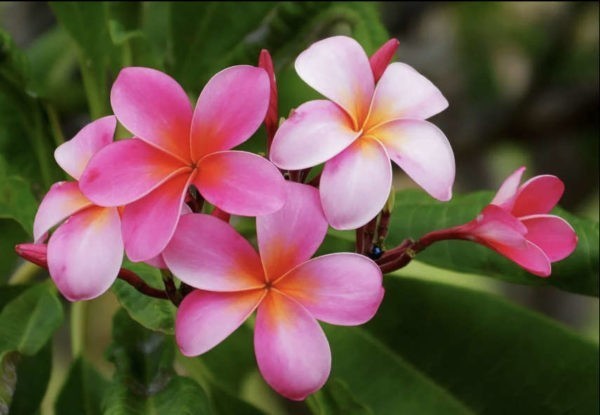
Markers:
<point>85,252</point>
<point>516,224</point>
<point>175,147</point>
<point>290,290</point>
<point>364,126</point>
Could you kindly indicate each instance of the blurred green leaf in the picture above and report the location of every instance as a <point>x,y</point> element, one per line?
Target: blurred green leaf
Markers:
<point>336,399</point>
<point>145,381</point>
<point>23,381</point>
<point>17,202</point>
<point>416,214</point>
<point>29,321</point>
<point>382,380</point>
<point>152,313</point>
<point>82,392</point>
<point>493,356</point>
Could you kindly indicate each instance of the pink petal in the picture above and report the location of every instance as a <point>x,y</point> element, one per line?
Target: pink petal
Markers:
<point>506,195</point>
<point>495,225</point>
<point>149,223</point>
<point>344,288</point>
<point>356,184</point>
<point>423,152</point>
<point>127,170</point>
<point>154,107</point>
<point>157,262</point>
<point>292,351</point>
<point>74,155</point>
<point>528,256</point>
<point>293,234</point>
<point>209,254</point>
<point>314,133</point>
<point>381,58</point>
<point>62,200</point>
<point>272,118</point>
<point>205,319</point>
<point>85,253</point>
<point>538,195</point>
<point>230,109</point>
<point>551,234</point>
<point>402,92</point>
<point>339,69</point>
<point>240,183</point>
<point>35,253</point>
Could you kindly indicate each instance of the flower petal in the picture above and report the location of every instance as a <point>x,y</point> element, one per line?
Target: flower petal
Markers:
<point>74,154</point>
<point>205,319</point>
<point>149,223</point>
<point>356,184</point>
<point>538,195</point>
<point>551,234</point>
<point>209,254</point>
<point>423,152</point>
<point>381,58</point>
<point>528,256</point>
<point>292,351</point>
<point>62,200</point>
<point>240,183</point>
<point>343,288</point>
<point>506,195</point>
<point>339,69</point>
<point>85,253</point>
<point>315,132</point>
<point>125,171</point>
<point>402,92</point>
<point>154,107</point>
<point>230,109</point>
<point>293,234</point>
<point>496,225</point>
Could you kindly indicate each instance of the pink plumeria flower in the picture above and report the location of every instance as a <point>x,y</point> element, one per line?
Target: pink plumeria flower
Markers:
<point>290,290</point>
<point>175,147</point>
<point>85,252</point>
<point>516,224</point>
<point>362,128</point>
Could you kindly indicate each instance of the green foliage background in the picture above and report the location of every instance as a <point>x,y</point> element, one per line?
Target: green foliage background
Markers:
<point>461,330</point>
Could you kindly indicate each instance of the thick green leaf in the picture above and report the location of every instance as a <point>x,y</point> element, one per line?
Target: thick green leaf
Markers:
<point>23,381</point>
<point>152,313</point>
<point>145,381</point>
<point>17,202</point>
<point>28,321</point>
<point>381,380</point>
<point>336,399</point>
<point>415,214</point>
<point>493,356</point>
<point>82,392</point>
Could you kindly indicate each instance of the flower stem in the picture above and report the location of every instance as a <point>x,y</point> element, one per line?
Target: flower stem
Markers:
<point>78,317</point>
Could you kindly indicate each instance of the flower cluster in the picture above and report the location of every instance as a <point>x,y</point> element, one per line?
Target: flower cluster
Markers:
<point>144,196</point>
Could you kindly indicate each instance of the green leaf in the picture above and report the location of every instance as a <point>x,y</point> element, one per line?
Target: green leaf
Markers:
<point>23,381</point>
<point>381,380</point>
<point>82,392</point>
<point>152,313</point>
<point>336,399</point>
<point>145,381</point>
<point>17,202</point>
<point>493,356</point>
<point>28,321</point>
<point>415,214</point>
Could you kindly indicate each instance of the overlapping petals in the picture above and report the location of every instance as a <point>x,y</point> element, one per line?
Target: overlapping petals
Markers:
<point>516,223</point>
<point>176,147</point>
<point>290,290</point>
<point>391,113</point>
<point>85,252</point>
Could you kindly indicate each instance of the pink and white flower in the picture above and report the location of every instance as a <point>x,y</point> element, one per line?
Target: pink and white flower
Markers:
<point>517,225</point>
<point>365,124</point>
<point>85,252</point>
<point>290,290</point>
<point>175,147</point>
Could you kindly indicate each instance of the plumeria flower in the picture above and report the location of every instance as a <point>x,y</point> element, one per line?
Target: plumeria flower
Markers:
<point>290,290</point>
<point>175,147</point>
<point>516,224</point>
<point>364,126</point>
<point>85,252</point>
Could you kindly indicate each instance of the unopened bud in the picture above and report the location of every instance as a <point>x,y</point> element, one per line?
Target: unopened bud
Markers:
<point>36,253</point>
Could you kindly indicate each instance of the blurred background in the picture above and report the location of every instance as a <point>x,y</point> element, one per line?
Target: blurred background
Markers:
<point>521,78</point>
